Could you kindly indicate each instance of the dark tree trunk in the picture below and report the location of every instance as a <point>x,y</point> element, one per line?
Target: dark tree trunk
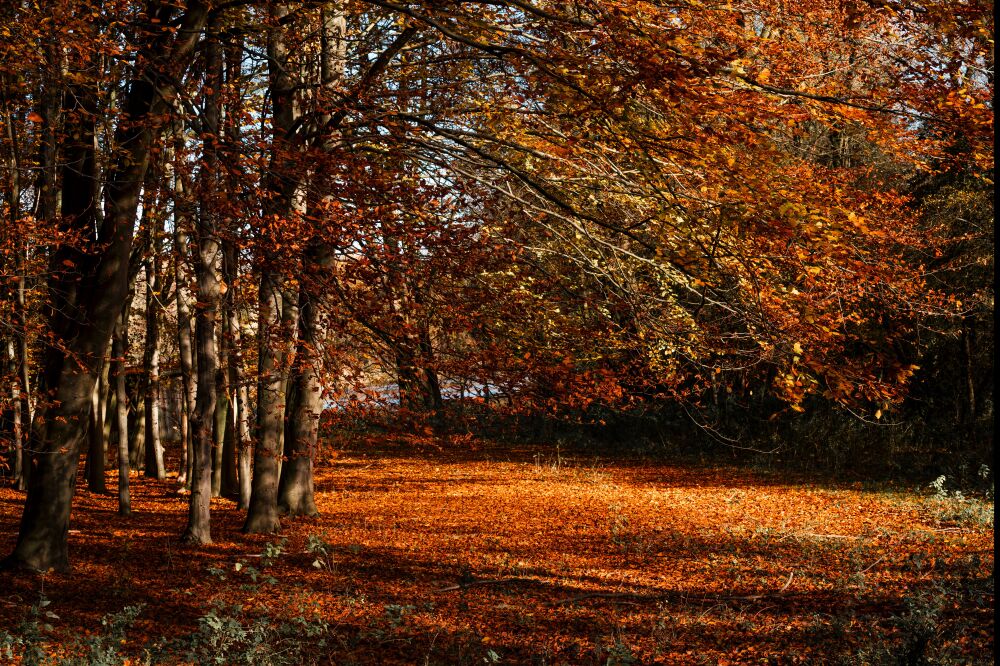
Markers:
<point>419,388</point>
<point>97,453</point>
<point>136,430</point>
<point>229,482</point>
<point>83,319</point>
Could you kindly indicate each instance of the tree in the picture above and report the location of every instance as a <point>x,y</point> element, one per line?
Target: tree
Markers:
<point>82,321</point>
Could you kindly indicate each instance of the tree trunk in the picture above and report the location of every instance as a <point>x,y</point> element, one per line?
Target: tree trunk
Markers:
<point>97,453</point>
<point>229,481</point>
<point>244,461</point>
<point>237,452</point>
<point>305,405</point>
<point>136,431</point>
<point>17,428</point>
<point>154,465</point>
<point>262,516</point>
<point>219,419</point>
<point>305,398</point>
<point>82,320</point>
<point>275,319</point>
<point>119,350</point>
<point>185,352</point>
<point>207,264</point>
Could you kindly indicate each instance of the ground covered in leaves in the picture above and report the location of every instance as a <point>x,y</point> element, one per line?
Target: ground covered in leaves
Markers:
<point>458,554</point>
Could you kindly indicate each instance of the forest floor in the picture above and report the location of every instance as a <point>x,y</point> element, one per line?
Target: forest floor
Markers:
<point>482,554</point>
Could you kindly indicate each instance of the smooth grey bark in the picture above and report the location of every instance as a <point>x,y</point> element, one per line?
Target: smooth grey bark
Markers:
<point>17,428</point>
<point>154,466</point>
<point>305,406</point>
<point>237,452</point>
<point>219,418</point>
<point>207,264</point>
<point>119,351</point>
<point>119,367</point>
<point>244,460</point>
<point>82,319</point>
<point>296,495</point>
<point>185,351</point>
<point>273,352</point>
<point>275,316</point>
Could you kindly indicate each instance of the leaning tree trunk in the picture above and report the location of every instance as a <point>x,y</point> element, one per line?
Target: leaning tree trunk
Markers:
<point>83,319</point>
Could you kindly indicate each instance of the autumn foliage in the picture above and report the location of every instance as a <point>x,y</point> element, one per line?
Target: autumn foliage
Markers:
<point>234,232</point>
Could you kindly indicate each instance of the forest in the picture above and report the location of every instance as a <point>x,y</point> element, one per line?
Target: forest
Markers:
<point>592,332</point>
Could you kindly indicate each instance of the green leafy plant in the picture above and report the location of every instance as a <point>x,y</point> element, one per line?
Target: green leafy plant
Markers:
<point>323,552</point>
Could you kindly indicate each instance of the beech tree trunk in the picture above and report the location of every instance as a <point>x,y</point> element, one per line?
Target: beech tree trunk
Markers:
<point>237,452</point>
<point>207,264</point>
<point>276,316</point>
<point>273,320</point>
<point>185,352</point>
<point>17,428</point>
<point>136,429</point>
<point>119,350</point>
<point>119,366</point>
<point>97,453</point>
<point>305,405</point>
<point>83,318</point>
<point>228,481</point>
<point>296,494</point>
<point>154,465</point>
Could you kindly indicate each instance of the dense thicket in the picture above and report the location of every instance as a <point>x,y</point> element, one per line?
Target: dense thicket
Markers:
<point>220,218</point>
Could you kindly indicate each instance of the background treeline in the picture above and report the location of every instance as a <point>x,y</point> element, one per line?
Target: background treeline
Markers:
<point>724,224</point>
